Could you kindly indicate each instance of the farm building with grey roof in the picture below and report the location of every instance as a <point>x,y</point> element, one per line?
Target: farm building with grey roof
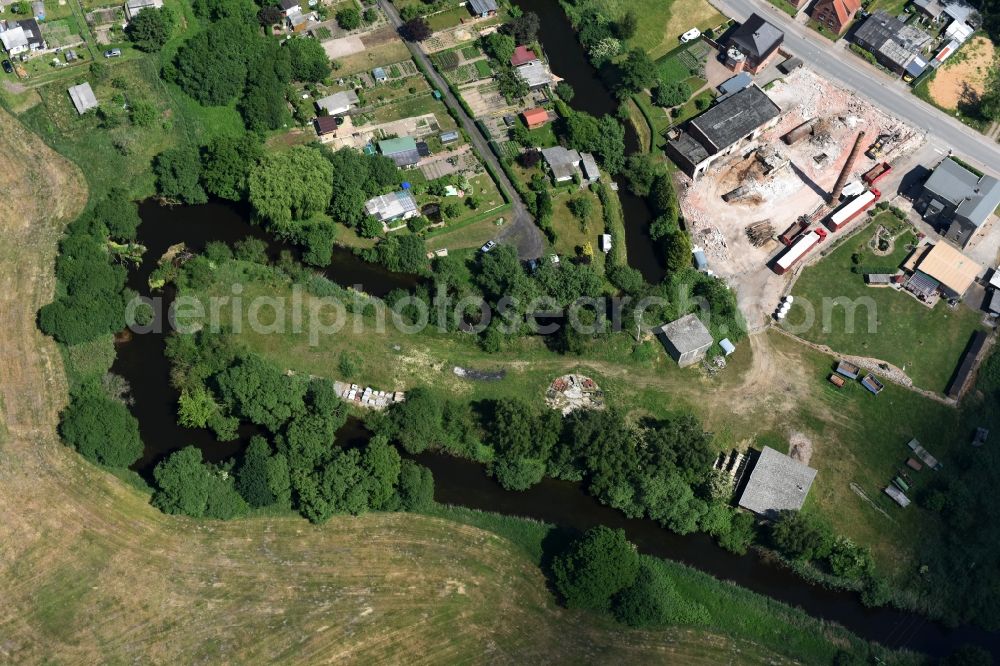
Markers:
<point>777,483</point>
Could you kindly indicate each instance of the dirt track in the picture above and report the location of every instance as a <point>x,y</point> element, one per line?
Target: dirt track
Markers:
<point>91,573</point>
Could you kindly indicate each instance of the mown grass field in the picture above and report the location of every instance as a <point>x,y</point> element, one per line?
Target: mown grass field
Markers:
<point>661,24</point>
<point>926,343</point>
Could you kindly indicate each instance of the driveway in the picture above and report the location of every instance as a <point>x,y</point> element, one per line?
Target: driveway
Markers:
<point>522,232</point>
<point>833,60</point>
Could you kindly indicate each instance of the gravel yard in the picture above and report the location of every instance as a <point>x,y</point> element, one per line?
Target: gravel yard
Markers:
<point>790,182</point>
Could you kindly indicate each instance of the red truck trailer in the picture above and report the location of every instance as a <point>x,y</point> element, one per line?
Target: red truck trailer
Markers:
<point>789,235</point>
<point>852,209</point>
<point>876,173</point>
<point>798,250</point>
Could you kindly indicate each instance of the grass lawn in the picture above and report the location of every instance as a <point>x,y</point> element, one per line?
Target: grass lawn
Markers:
<point>785,6</point>
<point>640,124</point>
<point>690,108</point>
<point>571,232</point>
<point>823,30</point>
<point>448,19</point>
<point>661,23</point>
<point>544,136</point>
<point>857,438</point>
<point>483,69</point>
<point>892,7</point>
<point>375,56</point>
<point>469,233</point>
<point>415,105</point>
<point>926,343</point>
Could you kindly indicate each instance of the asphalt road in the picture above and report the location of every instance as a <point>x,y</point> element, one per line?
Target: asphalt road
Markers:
<point>834,61</point>
<point>521,230</point>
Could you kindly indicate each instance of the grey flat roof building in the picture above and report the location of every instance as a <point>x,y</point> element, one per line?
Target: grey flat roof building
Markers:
<point>686,339</point>
<point>83,98</point>
<point>777,483</point>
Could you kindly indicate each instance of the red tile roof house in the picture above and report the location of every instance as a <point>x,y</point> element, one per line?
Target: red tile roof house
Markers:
<point>522,56</point>
<point>535,117</point>
<point>835,14</point>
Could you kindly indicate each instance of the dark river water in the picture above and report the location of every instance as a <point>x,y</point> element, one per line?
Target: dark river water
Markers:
<point>570,62</point>
<point>141,361</point>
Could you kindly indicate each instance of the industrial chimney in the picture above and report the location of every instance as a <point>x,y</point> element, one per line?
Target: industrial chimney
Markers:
<point>845,173</point>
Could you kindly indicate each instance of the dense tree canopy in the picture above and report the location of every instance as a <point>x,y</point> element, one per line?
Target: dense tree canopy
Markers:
<point>188,486</point>
<point>94,298</point>
<point>290,186</point>
<point>150,29</point>
<point>594,568</point>
<point>178,175</point>
<point>101,429</point>
<point>226,162</point>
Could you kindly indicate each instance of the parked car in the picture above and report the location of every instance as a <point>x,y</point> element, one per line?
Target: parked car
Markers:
<point>489,246</point>
<point>7,67</point>
<point>693,33</point>
<point>112,53</point>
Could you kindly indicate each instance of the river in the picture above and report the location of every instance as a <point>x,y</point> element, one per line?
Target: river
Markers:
<point>569,61</point>
<point>141,361</point>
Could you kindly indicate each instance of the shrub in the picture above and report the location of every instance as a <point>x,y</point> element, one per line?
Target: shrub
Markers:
<point>594,568</point>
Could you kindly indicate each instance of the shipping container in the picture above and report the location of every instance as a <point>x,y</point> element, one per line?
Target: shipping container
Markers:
<point>798,250</point>
<point>852,209</point>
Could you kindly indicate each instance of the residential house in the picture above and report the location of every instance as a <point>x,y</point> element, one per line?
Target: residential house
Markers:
<point>289,7</point>
<point>482,8</point>
<point>133,7</point>
<point>835,15</point>
<point>34,34</point>
<point>562,163</point>
<point>894,43</point>
<point>379,75</point>
<point>686,340</point>
<point>326,127</point>
<point>729,125</point>
<point>338,103</point>
<point>958,199</point>
<point>536,117</point>
<point>14,41</point>
<point>83,97</point>
<point>391,207</point>
<point>402,150</point>
<point>777,483</point>
<point>522,56</point>
<point>299,22</point>
<point>752,45</point>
